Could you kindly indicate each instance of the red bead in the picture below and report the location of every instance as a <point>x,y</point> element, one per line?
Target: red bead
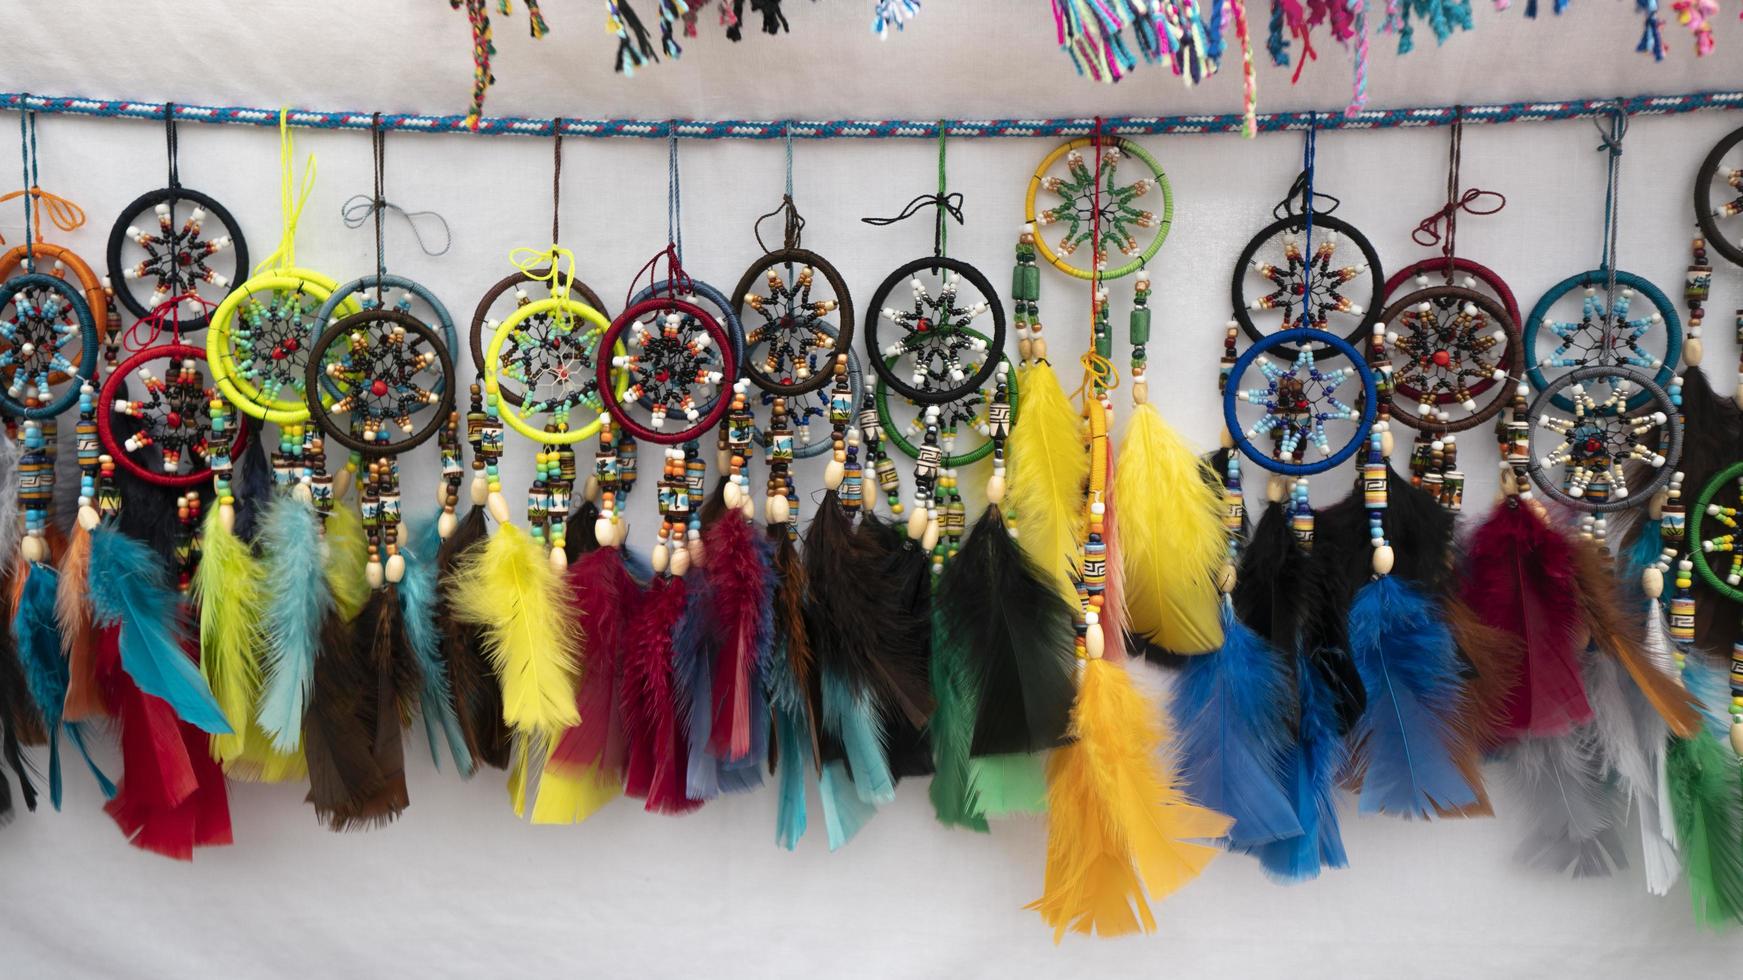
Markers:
<point>1442,358</point>
<point>378,388</point>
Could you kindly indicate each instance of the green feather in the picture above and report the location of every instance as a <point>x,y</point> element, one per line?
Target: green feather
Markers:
<point>1706,791</point>
<point>1011,785</point>
<point>951,729</point>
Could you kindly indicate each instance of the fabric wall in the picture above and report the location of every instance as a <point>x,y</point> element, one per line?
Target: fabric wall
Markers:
<point>458,886</point>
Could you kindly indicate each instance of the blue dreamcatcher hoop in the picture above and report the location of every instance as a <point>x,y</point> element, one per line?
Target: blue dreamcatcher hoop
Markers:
<point>1299,399</point>
<point>42,317</point>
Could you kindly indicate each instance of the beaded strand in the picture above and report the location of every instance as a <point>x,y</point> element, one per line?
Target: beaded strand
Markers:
<point>448,489</point>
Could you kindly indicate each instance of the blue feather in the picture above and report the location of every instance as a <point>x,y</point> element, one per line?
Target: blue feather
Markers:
<point>693,647</point>
<point>1712,687</point>
<point>794,742</point>
<point>855,721</point>
<point>1314,763</point>
<point>130,590</point>
<point>1411,670</point>
<point>637,563</point>
<point>300,598</point>
<point>1230,705</point>
<point>417,604</point>
<point>37,632</point>
<point>1648,547</point>
<point>844,812</point>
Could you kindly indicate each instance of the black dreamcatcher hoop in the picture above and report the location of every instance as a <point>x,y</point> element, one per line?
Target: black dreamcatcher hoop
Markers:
<point>179,243</point>
<point>939,356</point>
<point>510,294</point>
<point>792,294</point>
<point>815,405</point>
<point>1720,178</point>
<point>1278,285</point>
<point>180,428</point>
<point>392,369</point>
<point>1617,415</point>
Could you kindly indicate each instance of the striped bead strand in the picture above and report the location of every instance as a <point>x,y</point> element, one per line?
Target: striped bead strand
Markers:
<point>448,488</point>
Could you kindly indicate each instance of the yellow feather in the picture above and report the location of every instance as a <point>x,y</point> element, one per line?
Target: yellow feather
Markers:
<point>347,554</point>
<point>1119,829</point>
<point>571,797</point>
<point>229,588</point>
<point>1172,543</point>
<point>1049,470</point>
<point>520,754</point>
<point>510,591</point>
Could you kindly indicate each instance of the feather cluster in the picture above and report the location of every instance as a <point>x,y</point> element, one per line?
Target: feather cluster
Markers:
<point>420,602</point>
<point>298,609</point>
<point>471,680</point>
<point>1049,470</point>
<point>740,582</point>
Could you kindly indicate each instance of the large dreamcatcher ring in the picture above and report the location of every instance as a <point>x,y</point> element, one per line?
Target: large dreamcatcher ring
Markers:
<point>377,292</point>
<point>172,445</point>
<point>59,261</point>
<point>1128,213</point>
<point>937,345</point>
<point>1726,239</point>
<point>678,362</point>
<point>1338,293</point>
<point>258,341</point>
<point>1452,350</point>
<point>491,312</point>
<point>1601,431</point>
<point>1299,399</point>
<point>1454,272</point>
<point>1580,343</point>
<point>812,406</point>
<point>48,338</point>
<point>968,412</point>
<point>792,322</point>
<point>547,350</point>
<point>1709,511</point>
<point>196,251</point>
<point>391,368</point>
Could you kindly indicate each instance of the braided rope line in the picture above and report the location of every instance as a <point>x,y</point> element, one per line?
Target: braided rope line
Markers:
<point>883,128</point>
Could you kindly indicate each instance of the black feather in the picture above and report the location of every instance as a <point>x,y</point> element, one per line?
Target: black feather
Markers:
<point>252,486</point>
<point>477,696</point>
<point>338,733</point>
<point>715,505</point>
<point>1017,638</point>
<point>579,538</point>
<point>904,663</point>
<point>1269,596</point>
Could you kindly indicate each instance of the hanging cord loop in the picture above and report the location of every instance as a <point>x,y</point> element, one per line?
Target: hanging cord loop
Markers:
<point>556,180</point>
<point>172,145</point>
<point>63,213</point>
<point>1476,201</point>
<point>1099,373</point>
<point>1612,127</point>
<point>361,208</point>
<point>949,204</point>
<point>1309,146</point>
<point>795,223</point>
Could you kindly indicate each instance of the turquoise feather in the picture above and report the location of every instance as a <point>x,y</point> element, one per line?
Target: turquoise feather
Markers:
<point>38,635</point>
<point>297,603</point>
<point>417,604</point>
<point>795,750</point>
<point>844,811</point>
<point>130,590</point>
<point>854,720</point>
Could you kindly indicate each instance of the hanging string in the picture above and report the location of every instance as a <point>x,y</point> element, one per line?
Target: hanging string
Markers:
<point>63,213</point>
<point>1428,232</point>
<point>290,200</point>
<point>146,330</point>
<point>795,222</point>
<point>941,236</point>
<point>674,200</point>
<point>363,207</point>
<point>1308,147</point>
<point>172,143</point>
<point>556,179</point>
<point>1617,117</point>
<point>1099,373</point>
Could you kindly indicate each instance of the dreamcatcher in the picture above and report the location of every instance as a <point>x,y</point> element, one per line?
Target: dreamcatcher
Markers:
<point>176,242</point>
<point>1454,344</point>
<point>1719,197</point>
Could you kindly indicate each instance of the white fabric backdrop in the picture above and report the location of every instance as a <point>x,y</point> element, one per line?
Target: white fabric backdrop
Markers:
<point>458,886</point>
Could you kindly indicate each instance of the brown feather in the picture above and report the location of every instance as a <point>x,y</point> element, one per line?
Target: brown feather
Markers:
<point>790,629</point>
<point>477,696</point>
<point>378,654</point>
<point>1494,656</point>
<point>1622,636</point>
<point>336,741</point>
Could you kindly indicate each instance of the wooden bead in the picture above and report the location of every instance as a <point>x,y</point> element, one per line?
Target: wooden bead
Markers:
<point>342,481</point>
<point>396,568</point>
<point>302,492</point>
<point>1225,580</point>
<point>778,509</point>
<point>697,554</point>
<point>1276,489</point>
<point>929,539</point>
<point>833,474</point>
<point>1737,738</point>
<point>446,524</point>
<point>497,505</point>
<point>33,548</point>
<point>1692,351</point>
<point>603,532</point>
<point>659,558</point>
<point>1094,644</point>
<point>917,524</point>
<point>375,574</point>
<point>680,561</point>
<point>995,489</point>
<point>1652,582</point>
<point>480,488</point>
<point>1383,560</point>
<point>89,518</point>
<point>730,495</point>
<point>559,560</point>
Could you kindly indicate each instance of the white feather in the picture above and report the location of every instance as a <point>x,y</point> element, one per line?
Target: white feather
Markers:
<point>10,530</point>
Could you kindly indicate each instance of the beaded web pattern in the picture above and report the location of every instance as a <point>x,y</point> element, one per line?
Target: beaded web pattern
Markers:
<point>1121,216</point>
<point>942,351</point>
<point>1732,180</point>
<point>792,331</point>
<point>1596,438</point>
<point>176,258</point>
<point>1580,343</point>
<point>372,299</point>
<point>1445,352</point>
<point>381,366</point>
<point>1323,276</point>
<point>551,357</point>
<point>673,367</point>
<point>1725,541</point>
<point>174,416</point>
<point>38,326</point>
<point>1299,400</point>
<point>271,336</point>
<point>802,410</point>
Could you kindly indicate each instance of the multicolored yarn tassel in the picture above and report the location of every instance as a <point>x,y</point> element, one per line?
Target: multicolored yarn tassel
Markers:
<point>892,13</point>
<point>484,47</point>
<point>1696,15</point>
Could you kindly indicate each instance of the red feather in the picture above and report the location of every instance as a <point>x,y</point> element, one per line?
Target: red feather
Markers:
<point>1519,577</point>
<point>171,797</point>
<point>739,580</point>
<point>602,590</point>
<point>658,750</point>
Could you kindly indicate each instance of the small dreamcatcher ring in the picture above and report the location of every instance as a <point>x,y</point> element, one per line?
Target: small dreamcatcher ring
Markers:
<point>976,420</point>
<point>299,295</point>
<point>789,311</point>
<point>1449,346</point>
<point>175,257</point>
<point>1078,193</point>
<point>1475,276</point>
<point>699,293</point>
<point>379,352</point>
<point>1729,541</point>
<point>682,361</point>
<point>1324,287</point>
<point>1601,436</point>
<point>484,328</point>
<point>572,368</point>
<point>938,323</point>
<point>186,415</point>
<point>347,294</point>
<point>1591,318</point>
<point>62,260</point>
<point>39,314</point>
<point>800,414</point>
<point>1705,213</point>
<point>1302,424</point>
